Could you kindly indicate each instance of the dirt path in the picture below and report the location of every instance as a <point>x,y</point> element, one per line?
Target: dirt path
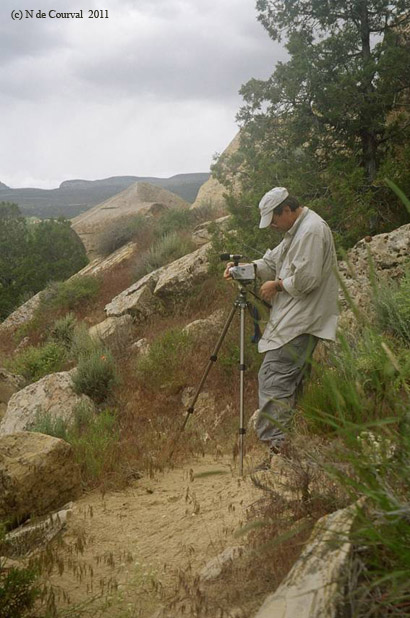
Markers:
<point>125,554</point>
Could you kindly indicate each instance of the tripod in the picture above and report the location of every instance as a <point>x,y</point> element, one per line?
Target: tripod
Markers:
<point>240,304</point>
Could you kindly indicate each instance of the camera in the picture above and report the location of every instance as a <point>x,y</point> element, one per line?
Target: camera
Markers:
<point>243,272</point>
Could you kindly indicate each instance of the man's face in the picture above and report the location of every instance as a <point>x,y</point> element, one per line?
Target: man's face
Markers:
<point>284,221</point>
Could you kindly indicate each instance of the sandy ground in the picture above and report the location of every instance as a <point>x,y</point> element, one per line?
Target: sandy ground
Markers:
<point>126,554</point>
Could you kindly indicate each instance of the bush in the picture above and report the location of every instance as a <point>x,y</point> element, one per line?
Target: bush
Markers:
<point>161,367</point>
<point>122,231</point>
<point>96,375</point>
<point>361,382</point>
<point>169,248</point>
<point>93,437</point>
<point>50,425</point>
<point>392,304</point>
<point>72,293</point>
<point>34,363</point>
<point>17,593</point>
<point>63,330</point>
<point>95,443</point>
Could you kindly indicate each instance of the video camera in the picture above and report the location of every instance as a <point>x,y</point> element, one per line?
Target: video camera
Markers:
<point>244,273</point>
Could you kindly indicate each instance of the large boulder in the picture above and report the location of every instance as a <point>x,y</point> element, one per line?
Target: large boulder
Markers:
<point>160,290</point>
<point>115,333</point>
<point>314,586</point>
<point>386,254</point>
<point>212,192</point>
<point>141,197</point>
<point>53,395</point>
<point>38,474</point>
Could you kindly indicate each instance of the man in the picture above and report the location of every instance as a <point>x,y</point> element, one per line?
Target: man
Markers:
<point>300,282</point>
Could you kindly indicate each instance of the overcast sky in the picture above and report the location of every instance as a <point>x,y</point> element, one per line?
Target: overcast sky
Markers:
<point>152,90</point>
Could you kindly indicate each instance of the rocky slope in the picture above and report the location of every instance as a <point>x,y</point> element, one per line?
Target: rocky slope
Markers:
<point>141,198</point>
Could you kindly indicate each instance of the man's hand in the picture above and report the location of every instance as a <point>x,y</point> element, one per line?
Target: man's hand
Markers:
<point>227,274</point>
<point>269,290</point>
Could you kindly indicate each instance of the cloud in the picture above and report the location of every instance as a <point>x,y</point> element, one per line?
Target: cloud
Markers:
<point>152,90</point>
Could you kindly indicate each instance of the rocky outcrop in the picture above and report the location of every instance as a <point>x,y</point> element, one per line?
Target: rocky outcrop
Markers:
<point>161,289</point>
<point>28,537</point>
<point>202,232</point>
<point>212,191</point>
<point>140,197</point>
<point>314,586</point>
<point>21,315</point>
<point>207,326</point>
<point>115,333</point>
<point>9,384</point>
<point>38,474</point>
<point>53,396</point>
<point>98,266</point>
<point>387,254</point>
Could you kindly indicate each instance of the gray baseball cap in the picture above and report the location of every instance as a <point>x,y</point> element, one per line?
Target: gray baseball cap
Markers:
<point>268,203</point>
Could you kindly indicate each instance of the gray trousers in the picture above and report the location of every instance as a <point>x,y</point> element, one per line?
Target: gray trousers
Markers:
<point>280,375</point>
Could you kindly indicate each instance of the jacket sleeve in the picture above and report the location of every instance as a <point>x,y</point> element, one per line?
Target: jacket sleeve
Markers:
<point>266,266</point>
<point>306,265</point>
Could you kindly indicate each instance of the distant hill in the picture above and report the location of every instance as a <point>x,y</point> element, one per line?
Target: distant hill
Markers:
<point>140,197</point>
<point>76,196</point>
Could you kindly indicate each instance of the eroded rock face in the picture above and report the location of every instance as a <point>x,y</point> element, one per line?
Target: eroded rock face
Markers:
<point>115,333</point>
<point>53,395</point>
<point>155,292</point>
<point>9,384</point>
<point>314,586</point>
<point>389,254</point>
<point>37,474</point>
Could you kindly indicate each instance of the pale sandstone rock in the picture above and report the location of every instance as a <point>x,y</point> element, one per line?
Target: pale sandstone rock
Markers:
<point>389,254</point>
<point>141,346</point>
<point>314,586</point>
<point>206,327</point>
<point>9,384</point>
<point>176,279</point>
<point>116,332</point>
<point>202,234</point>
<point>137,300</point>
<point>53,395</point>
<point>155,291</point>
<point>138,198</point>
<point>214,567</point>
<point>212,191</point>
<point>38,474</point>
<point>22,315</point>
<point>35,534</point>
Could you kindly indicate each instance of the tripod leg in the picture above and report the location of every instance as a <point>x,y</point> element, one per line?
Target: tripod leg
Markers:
<point>242,368</point>
<point>212,359</point>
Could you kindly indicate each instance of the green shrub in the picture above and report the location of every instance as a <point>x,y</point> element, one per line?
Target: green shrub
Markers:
<point>50,425</point>
<point>161,367</point>
<point>63,330</point>
<point>95,443</point>
<point>173,220</point>
<point>360,383</point>
<point>72,293</point>
<point>17,592</point>
<point>392,304</point>
<point>82,344</point>
<point>169,248</point>
<point>34,363</point>
<point>93,437</point>
<point>96,375</point>
<point>122,231</point>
